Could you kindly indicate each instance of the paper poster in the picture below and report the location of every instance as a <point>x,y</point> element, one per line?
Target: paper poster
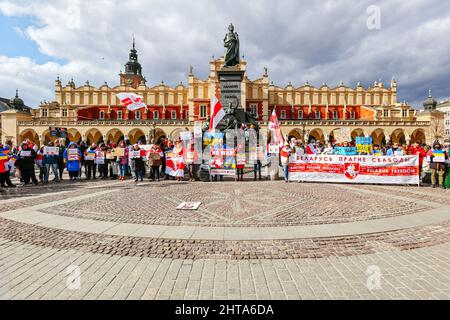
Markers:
<point>90,155</point>
<point>51,151</point>
<point>134,154</point>
<point>185,135</point>
<point>118,152</point>
<point>25,153</point>
<point>364,144</point>
<point>342,135</point>
<point>345,151</point>
<point>145,147</point>
<point>274,148</point>
<point>198,133</point>
<point>99,157</point>
<point>438,156</point>
<point>190,157</point>
<point>72,155</point>
<point>241,159</point>
<point>189,206</point>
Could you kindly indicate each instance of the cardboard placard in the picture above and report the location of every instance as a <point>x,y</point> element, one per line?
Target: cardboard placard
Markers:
<point>51,151</point>
<point>25,153</point>
<point>73,155</point>
<point>118,152</point>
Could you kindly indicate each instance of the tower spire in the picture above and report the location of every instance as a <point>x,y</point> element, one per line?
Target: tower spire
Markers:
<point>17,93</point>
<point>134,42</point>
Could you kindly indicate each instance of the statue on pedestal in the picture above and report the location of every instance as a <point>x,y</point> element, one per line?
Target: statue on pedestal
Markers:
<point>231,42</point>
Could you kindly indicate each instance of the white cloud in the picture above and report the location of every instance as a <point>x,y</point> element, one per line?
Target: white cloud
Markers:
<point>308,40</point>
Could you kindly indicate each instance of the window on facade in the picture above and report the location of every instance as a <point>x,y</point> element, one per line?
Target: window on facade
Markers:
<point>101,115</point>
<point>137,115</point>
<point>335,114</point>
<point>64,113</point>
<point>386,113</point>
<point>253,109</point>
<point>173,115</point>
<point>300,114</point>
<point>283,114</point>
<point>202,111</point>
<point>155,114</point>
<point>186,114</point>
<point>119,115</point>
<point>447,132</point>
<point>352,114</point>
<point>44,112</point>
<point>404,113</point>
<point>317,114</point>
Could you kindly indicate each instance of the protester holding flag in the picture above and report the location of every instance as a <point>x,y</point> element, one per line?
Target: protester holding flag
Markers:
<point>25,163</point>
<point>274,127</point>
<point>175,162</point>
<point>100,160</point>
<point>217,112</point>
<point>72,156</point>
<point>51,161</point>
<point>437,158</point>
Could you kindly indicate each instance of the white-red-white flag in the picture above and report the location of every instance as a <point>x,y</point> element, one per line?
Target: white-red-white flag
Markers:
<point>217,112</point>
<point>274,126</point>
<point>131,100</point>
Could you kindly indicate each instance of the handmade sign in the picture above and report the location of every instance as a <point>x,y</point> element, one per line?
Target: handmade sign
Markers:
<point>189,206</point>
<point>134,154</point>
<point>109,155</point>
<point>345,151</point>
<point>90,155</point>
<point>118,152</point>
<point>190,157</point>
<point>99,157</point>
<point>51,151</point>
<point>198,133</point>
<point>213,138</point>
<point>73,155</point>
<point>438,156</point>
<point>25,153</point>
<point>274,148</point>
<point>364,144</point>
<point>342,135</point>
<point>241,159</point>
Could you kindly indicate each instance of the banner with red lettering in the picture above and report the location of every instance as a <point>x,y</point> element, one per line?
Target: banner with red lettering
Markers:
<point>355,169</point>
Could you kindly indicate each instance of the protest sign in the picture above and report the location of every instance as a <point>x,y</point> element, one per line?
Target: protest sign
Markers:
<point>99,157</point>
<point>90,155</point>
<point>345,151</point>
<point>51,151</point>
<point>364,144</point>
<point>189,206</point>
<point>274,148</point>
<point>355,169</point>
<point>25,153</point>
<point>438,156</point>
<point>73,155</point>
<point>185,135</point>
<point>118,152</point>
<point>342,135</point>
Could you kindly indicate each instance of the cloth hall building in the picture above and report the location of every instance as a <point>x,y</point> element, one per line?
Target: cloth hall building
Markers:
<point>93,114</point>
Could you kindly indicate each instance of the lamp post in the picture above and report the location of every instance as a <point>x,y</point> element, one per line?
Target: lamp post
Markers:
<point>154,132</point>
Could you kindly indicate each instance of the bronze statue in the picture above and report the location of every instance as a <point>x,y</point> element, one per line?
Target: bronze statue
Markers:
<point>231,42</point>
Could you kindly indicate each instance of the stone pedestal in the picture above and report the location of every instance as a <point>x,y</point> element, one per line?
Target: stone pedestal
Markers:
<point>230,87</point>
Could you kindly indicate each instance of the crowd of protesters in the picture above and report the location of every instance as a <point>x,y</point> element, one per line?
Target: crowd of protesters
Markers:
<point>435,172</point>
<point>101,161</point>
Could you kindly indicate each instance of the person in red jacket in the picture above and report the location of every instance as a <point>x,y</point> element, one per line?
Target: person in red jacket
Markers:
<point>416,148</point>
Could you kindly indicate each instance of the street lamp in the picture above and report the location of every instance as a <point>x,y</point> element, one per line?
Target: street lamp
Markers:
<point>154,132</point>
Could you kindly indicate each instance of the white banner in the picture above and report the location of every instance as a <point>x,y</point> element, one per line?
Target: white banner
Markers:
<point>355,169</point>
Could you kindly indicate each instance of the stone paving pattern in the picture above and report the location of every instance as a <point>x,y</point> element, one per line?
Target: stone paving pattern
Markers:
<point>413,262</point>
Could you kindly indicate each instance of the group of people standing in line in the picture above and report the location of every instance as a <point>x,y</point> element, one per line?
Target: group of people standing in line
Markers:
<point>437,171</point>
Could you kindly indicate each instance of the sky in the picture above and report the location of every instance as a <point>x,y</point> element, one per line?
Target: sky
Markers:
<point>316,40</point>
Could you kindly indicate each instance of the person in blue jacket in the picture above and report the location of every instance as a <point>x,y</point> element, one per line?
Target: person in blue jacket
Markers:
<point>51,161</point>
<point>73,166</point>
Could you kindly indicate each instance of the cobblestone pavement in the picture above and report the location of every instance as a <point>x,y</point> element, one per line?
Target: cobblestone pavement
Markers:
<point>265,240</point>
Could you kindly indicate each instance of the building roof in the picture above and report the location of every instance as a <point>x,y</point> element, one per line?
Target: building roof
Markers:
<point>15,103</point>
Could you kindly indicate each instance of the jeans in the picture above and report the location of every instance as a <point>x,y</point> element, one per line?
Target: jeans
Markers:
<point>123,169</point>
<point>54,167</point>
<point>138,174</point>
<point>286,172</point>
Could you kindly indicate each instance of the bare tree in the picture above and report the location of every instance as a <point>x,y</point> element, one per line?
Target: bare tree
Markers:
<point>436,130</point>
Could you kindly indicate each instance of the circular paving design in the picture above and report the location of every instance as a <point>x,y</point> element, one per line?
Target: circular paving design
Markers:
<point>268,204</point>
<point>263,206</point>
